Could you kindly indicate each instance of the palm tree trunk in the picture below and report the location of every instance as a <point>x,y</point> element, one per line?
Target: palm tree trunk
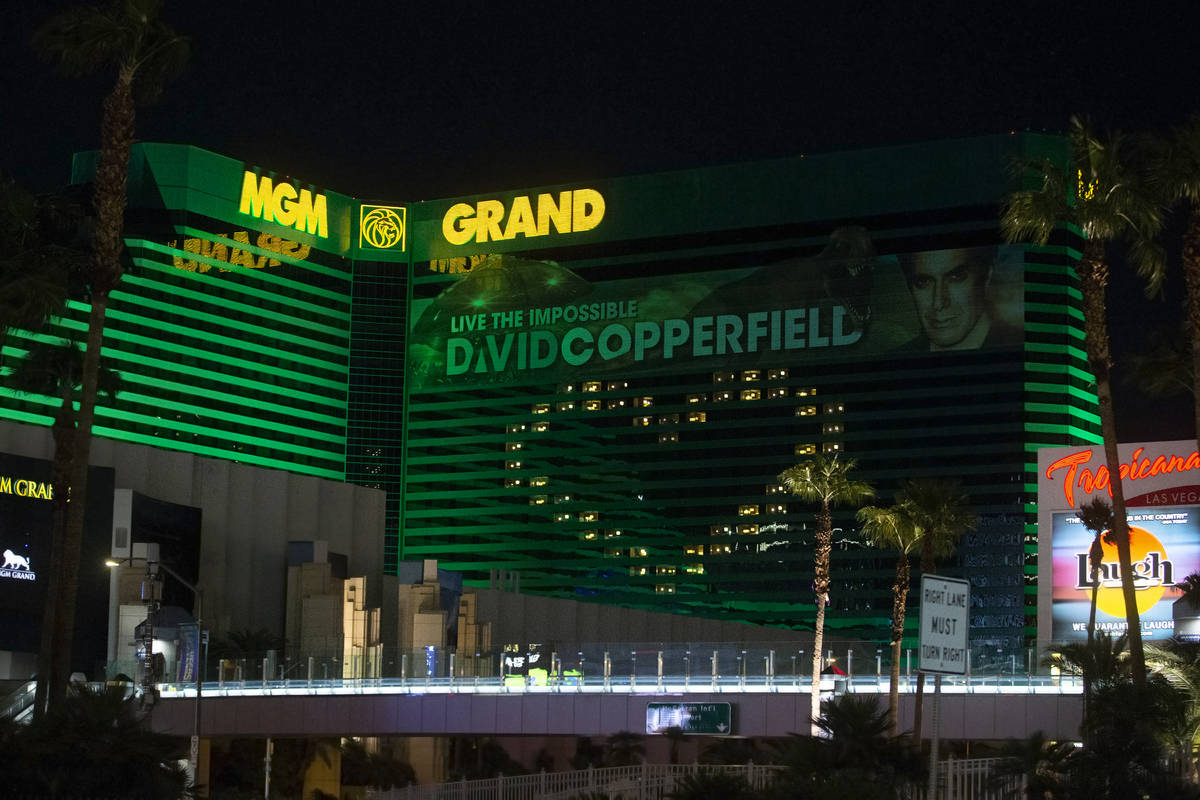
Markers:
<point>116,136</point>
<point>1191,275</point>
<point>899,600</point>
<point>63,432</point>
<point>821,558</point>
<point>927,567</point>
<point>1093,283</point>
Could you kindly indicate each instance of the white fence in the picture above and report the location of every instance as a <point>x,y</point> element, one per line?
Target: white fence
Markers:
<point>968,779</point>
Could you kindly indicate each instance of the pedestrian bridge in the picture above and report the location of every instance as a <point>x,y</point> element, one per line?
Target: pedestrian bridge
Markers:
<point>981,707</point>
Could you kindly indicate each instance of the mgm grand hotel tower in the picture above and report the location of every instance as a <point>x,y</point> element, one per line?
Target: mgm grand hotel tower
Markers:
<point>595,385</point>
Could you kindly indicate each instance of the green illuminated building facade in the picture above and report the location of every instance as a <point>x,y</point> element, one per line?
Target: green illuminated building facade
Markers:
<point>595,385</point>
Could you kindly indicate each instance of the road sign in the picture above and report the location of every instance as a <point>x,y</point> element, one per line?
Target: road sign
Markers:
<point>945,603</point>
<point>703,719</point>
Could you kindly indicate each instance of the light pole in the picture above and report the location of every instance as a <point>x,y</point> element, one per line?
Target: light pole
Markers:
<point>152,593</point>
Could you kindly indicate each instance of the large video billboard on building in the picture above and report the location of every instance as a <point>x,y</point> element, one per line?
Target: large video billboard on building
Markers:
<point>1162,485</point>
<point>511,320</point>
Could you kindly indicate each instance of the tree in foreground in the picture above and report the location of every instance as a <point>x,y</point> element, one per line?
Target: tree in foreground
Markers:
<point>1103,199</point>
<point>1043,765</point>
<point>126,36</point>
<point>828,482</point>
<point>894,529</point>
<point>95,744</point>
<point>939,507</point>
<point>852,757</point>
<point>1175,175</point>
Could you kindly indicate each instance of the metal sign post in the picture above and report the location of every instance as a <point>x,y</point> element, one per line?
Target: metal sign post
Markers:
<point>945,603</point>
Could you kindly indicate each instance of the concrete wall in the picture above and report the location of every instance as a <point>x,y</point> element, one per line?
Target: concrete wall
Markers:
<point>249,515</point>
<point>517,618</point>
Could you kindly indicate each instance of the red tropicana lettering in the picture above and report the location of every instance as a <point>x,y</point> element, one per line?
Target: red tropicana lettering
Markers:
<point>1137,469</point>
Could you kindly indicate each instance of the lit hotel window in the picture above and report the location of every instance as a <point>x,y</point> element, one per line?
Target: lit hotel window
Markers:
<point>668,438</point>
<point>537,500</point>
<point>806,392</point>
<point>591,386</point>
<point>638,571</point>
<point>722,377</point>
<point>720,530</point>
<point>834,408</point>
<point>539,480</point>
<point>751,375</point>
<point>614,385</point>
<point>541,408</point>
<point>509,482</point>
<point>771,488</point>
<point>721,397</point>
<point>720,548</point>
<point>694,549</point>
<point>566,388</point>
<point>751,394</point>
<point>615,404</point>
<point>778,508</point>
<point>637,552</point>
<point>641,422</point>
<point>613,552</point>
<point>697,416</point>
<point>831,447</point>
<point>589,536</point>
<point>512,464</point>
<point>778,391</point>
<point>664,570</point>
<point>805,449</point>
<point>831,427</point>
<point>747,529</point>
<point>566,405</point>
<point>643,402</point>
<point>562,517</point>
<point>510,446</point>
<point>589,516</point>
<point>541,427</point>
<point>664,588</point>
<point>806,411</point>
<point>776,374</point>
<point>517,427</point>
<point>694,569</point>
<point>747,510</point>
<point>591,405</point>
<point>668,419</point>
<point>562,498</point>
<point>612,534</point>
<point>696,398</point>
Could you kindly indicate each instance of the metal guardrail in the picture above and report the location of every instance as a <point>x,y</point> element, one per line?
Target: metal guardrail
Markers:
<point>960,779</point>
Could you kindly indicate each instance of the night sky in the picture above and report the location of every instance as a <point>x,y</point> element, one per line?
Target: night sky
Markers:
<point>407,101</point>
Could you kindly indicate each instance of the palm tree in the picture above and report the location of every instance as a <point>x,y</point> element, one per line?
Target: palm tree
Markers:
<point>894,529</point>
<point>1105,203</point>
<point>939,508</point>
<point>827,482</point>
<point>624,749</point>
<point>1042,764</point>
<point>129,36</point>
<point>1175,175</point>
<point>1097,517</point>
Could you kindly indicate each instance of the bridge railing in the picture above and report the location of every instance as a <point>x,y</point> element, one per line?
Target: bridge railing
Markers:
<point>636,663</point>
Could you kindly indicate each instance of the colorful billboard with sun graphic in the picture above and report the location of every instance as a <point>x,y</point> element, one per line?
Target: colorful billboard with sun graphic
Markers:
<point>1162,486</point>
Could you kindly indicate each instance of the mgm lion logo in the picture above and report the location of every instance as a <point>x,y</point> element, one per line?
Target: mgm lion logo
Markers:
<point>14,561</point>
<point>382,227</point>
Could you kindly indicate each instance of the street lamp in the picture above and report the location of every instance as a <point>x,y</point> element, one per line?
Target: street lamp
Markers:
<point>152,594</point>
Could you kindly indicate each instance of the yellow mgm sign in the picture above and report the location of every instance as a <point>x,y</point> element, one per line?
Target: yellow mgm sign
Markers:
<point>382,227</point>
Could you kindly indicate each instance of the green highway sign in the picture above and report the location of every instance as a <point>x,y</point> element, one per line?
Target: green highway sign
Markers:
<point>704,719</point>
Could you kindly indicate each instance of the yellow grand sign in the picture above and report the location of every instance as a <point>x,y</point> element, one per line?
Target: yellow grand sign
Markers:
<point>284,204</point>
<point>491,221</point>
